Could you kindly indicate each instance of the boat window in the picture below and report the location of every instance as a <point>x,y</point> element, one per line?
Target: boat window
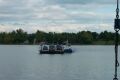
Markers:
<point>45,48</point>
<point>59,47</point>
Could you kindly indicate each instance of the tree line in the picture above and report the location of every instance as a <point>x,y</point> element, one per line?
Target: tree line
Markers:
<point>81,38</point>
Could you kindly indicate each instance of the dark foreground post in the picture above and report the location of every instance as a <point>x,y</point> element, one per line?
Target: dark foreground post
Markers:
<point>117,28</point>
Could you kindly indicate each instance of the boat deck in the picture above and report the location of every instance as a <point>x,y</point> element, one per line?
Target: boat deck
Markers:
<point>54,49</point>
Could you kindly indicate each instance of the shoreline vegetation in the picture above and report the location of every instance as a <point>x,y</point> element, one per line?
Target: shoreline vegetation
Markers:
<point>20,37</point>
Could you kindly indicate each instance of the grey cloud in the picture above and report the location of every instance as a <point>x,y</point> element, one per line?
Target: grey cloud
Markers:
<point>15,10</point>
<point>27,10</point>
<point>82,1</point>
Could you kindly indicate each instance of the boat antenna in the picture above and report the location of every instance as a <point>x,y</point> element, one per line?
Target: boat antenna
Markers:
<point>116,28</point>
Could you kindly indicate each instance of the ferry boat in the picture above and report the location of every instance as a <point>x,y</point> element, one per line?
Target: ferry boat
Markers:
<point>52,49</point>
<point>55,49</point>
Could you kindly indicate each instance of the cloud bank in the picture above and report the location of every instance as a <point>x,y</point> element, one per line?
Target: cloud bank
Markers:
<point>57,15</point>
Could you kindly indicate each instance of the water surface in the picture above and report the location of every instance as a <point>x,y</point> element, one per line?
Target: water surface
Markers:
<point>23,62</point>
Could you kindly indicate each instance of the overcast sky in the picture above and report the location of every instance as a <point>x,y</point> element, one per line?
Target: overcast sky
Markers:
<point>57,15</point>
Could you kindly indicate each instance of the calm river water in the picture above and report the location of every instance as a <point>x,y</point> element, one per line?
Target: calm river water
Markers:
<point>23,62</point>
